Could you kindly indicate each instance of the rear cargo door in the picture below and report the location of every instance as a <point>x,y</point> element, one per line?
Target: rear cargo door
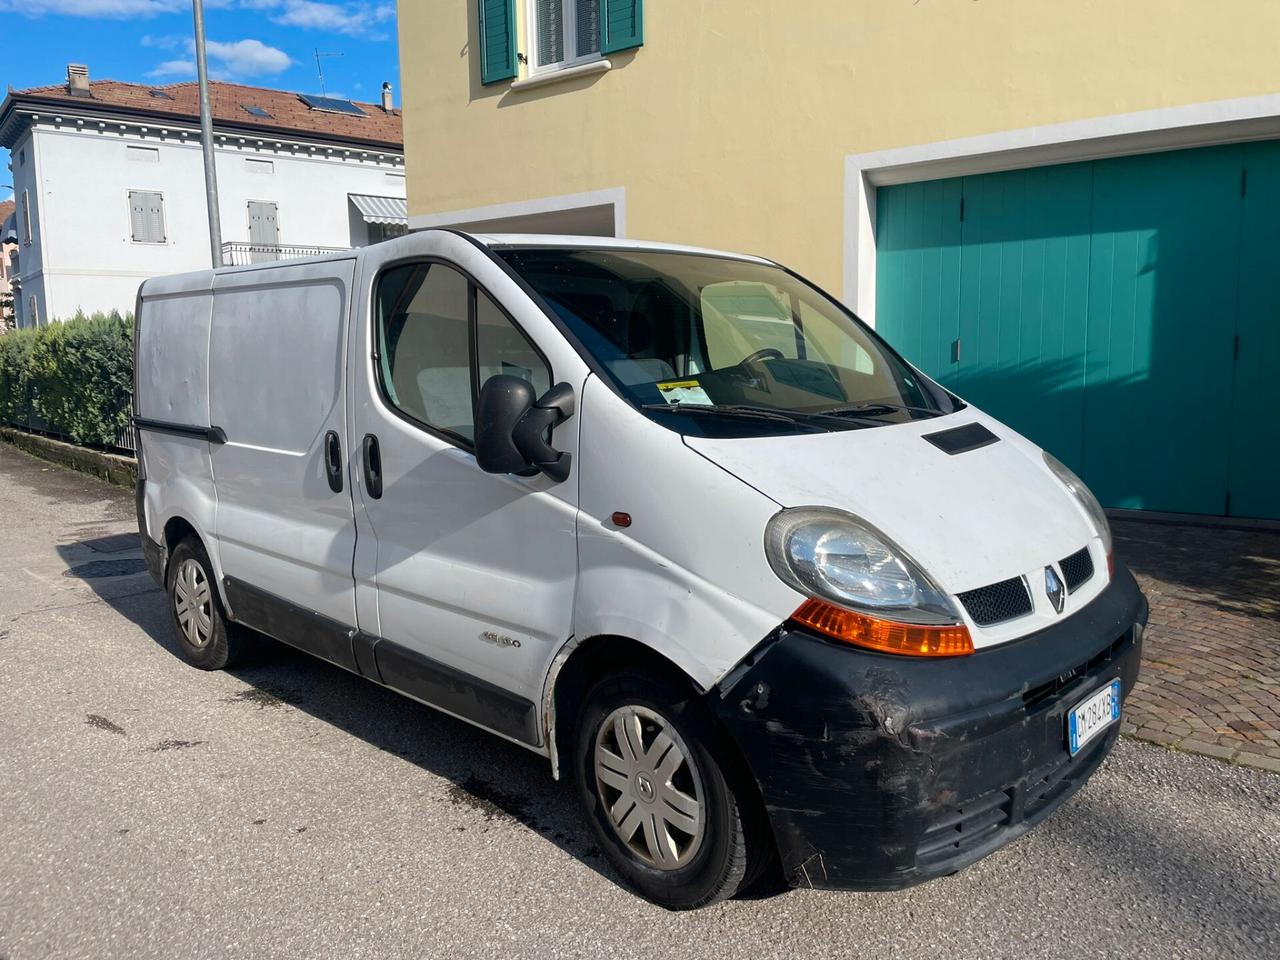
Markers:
<point>285,527</point>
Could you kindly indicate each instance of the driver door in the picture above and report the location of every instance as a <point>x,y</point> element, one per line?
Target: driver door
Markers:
<point>473,573</point>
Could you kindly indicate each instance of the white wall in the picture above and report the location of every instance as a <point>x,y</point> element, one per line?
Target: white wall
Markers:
<point>90,261</point>
<point>23,162</point>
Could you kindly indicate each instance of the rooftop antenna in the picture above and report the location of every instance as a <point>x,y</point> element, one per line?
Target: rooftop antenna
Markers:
<point>320,69</point>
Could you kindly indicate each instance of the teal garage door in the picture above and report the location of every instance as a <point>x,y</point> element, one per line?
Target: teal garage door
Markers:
<point>1122,313</point>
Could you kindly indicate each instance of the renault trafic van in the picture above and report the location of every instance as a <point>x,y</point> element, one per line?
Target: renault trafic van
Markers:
<point>672,518</point>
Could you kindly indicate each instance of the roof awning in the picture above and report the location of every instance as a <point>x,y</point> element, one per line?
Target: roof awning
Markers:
<point>381,209</point>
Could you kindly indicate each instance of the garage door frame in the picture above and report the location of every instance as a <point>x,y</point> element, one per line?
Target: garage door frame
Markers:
<point>1149,131</point>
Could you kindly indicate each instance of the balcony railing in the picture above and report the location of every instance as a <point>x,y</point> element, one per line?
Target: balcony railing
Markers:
<point>237,254</point>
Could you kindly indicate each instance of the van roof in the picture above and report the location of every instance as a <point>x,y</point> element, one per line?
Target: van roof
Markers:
<point>203,279</point>
<point>497,240</point>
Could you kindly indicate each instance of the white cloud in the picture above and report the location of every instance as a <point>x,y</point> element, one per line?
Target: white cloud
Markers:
<point>248,58</point>
<point>231,60</point>
<point>173,68</point>
<point>352,19</point>
<point>168,42</point>
<point>110,9</point>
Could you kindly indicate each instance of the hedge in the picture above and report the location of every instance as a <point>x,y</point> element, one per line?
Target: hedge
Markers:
<point>76,376</point>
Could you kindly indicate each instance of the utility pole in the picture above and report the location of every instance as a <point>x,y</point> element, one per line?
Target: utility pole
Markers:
<point>206,138</point>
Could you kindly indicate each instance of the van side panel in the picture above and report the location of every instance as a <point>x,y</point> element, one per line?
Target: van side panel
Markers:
<point>276,388</point>
<point>172,380</point>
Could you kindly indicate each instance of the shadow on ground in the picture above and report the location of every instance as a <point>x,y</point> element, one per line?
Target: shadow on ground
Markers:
<point>1228,570</point>
<point>502,782</point>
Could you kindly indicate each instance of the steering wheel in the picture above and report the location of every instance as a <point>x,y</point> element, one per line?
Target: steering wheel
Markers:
<point>765,353</point>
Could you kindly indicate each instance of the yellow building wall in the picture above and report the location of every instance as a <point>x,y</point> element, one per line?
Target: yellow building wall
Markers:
<point>730,126</point>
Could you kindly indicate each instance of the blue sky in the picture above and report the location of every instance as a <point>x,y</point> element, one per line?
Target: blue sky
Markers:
<point>268,43</point>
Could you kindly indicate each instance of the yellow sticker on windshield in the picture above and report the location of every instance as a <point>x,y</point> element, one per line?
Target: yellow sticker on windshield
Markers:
<point>684,391</point>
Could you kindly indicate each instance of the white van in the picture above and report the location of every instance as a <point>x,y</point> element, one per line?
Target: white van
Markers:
<point>671,518</point>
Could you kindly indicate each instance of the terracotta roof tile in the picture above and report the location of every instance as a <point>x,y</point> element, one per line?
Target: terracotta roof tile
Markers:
<point>287,113</point>
<point>6,207</point>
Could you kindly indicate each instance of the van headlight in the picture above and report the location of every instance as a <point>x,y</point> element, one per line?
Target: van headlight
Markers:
<point>1087,500</point>
<point>831,555</point>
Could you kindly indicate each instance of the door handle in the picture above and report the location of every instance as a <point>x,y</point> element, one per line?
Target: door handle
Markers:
<point>333,460</point>
<point>372,466</point>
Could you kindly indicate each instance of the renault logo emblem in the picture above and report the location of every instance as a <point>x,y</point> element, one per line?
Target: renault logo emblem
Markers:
<point>1053,589</point>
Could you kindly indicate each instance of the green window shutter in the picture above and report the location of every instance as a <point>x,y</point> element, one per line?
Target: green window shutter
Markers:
<point>621,25</point>
<point>497,40</point>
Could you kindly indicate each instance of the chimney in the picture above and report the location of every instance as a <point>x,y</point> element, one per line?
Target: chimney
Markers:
<point>78,80</point>
<point>386,98</point>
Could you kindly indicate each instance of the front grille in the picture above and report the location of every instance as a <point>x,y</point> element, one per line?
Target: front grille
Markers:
<point>964,828</point>
<point>1077,569</point>
<point>1046,691</point>
<point>998,602</point>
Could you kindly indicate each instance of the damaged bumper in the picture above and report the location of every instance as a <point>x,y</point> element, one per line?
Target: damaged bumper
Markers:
<point>879,772</point>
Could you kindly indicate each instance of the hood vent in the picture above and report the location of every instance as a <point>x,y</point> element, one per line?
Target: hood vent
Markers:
<point>962,439</point>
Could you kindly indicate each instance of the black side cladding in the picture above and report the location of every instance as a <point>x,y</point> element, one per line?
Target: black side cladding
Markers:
<point>440,685</point>
<point>962,439</point>
<point>384,661</point>
<point>152,551</point>
<point>305,629</point>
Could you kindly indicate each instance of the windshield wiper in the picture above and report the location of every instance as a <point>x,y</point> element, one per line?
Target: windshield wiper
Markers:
<point>876,409</point>
<point>730,410</point>
<point>801,417</point>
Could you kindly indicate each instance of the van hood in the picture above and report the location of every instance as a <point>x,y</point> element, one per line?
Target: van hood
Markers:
<point>968,519</point>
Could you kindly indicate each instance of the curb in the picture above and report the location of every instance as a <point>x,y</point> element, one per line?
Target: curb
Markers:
<point>1215,751</point>
<point>121,471</point>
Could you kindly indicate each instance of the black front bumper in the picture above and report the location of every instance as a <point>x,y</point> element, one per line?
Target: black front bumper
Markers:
<point>880,771</point>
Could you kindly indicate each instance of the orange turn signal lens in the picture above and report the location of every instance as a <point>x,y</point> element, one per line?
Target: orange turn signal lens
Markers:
<point>887,636</point>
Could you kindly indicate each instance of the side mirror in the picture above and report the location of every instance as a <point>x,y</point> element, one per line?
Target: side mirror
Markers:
<point>511,427</point>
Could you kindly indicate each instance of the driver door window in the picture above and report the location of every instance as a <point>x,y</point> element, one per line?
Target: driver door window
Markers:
<point>439,339</point>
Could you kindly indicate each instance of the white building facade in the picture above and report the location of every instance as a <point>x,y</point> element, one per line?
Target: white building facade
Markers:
<point>105,200</point>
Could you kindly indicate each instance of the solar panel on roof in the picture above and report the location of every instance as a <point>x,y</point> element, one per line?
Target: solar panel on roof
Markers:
<point>256,111</point>
<point>160,94</point>
<point>331,105</point>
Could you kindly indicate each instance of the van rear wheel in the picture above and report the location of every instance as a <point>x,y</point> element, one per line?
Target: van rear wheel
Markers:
<point>662,803</point>
<point>205,637</point>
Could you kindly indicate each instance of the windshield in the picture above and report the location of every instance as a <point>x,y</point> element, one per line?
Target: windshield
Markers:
<point>711,345</point>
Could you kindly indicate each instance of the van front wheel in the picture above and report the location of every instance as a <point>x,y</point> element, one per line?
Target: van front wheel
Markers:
<point>659,799</point>
<point>205,638</point>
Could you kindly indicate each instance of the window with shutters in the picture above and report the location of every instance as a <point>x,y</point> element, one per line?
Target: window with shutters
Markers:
<point>563,33</point>
<point>146,216</point>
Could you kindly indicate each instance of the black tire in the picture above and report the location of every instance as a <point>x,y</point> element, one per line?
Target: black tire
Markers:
<point>226,642</point>
<point>733,847</point>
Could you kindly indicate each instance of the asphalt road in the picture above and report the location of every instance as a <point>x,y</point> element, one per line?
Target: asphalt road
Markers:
<point>289,809</point>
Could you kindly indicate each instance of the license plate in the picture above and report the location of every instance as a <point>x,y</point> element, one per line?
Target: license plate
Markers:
<point>1092,715</point>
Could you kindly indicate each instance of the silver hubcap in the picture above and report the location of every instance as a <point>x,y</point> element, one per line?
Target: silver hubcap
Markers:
<point>649,784</point>
<point>192,602</point>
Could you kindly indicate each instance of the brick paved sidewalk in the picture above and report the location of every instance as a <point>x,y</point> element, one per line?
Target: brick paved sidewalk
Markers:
<point>1210,680</point>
